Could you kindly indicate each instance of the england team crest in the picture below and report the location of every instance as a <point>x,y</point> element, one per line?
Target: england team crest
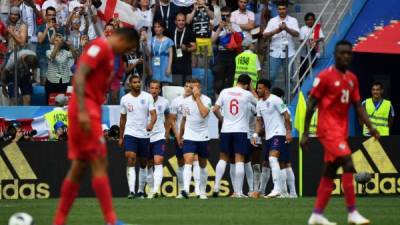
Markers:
<point>142,101</point>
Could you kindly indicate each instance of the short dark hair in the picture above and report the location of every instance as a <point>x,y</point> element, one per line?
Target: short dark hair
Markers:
<point>244,79</point>
<point>161,23</point>
<point>377,83</point>
<point>155,82</point>
<point>134,76</point>
<point>50,8</point>
<point>341,43</point>
<point>265,82</point>
<point>309,14</point>
<point>278,92</point>
<point>128,33</point>
<point>226,9</point>
<point>282,3</point>
<point>31,61</point>
<point>195,81</point>
<point>180,14</point>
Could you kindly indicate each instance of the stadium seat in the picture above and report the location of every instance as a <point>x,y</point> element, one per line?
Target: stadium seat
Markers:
<point>39,95</point>
<point>171,92</point>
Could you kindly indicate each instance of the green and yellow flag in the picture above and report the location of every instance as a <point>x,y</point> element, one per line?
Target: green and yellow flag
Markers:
<point>299,125</point>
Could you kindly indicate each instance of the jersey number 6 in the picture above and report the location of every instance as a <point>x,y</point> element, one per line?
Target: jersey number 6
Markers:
<point>234,107</point>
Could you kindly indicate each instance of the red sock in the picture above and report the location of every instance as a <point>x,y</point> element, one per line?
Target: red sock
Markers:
<point>101,187</point>
<point>348,188</point>
<point>69,191</point>
<point>323,195</point>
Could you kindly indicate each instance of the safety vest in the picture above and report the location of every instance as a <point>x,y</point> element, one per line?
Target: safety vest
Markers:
<point>53,117</point>
<point>246,62</point>
<point>313,124</point>
<point>379,117</point>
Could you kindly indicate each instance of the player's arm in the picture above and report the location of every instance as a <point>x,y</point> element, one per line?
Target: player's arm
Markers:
<point>181,132</point>
<point>167,126</point>
<point>258,130</point>
<point>153,119</point>
<point>288,126</point>
<point>204,110</point>
<point>122,122</point>
<point>80,80</point>
<point>172,123</point>
<point>217,112</point>
<point>362,115</point>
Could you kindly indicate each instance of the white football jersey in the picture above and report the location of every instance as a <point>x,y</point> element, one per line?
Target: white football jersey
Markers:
<point>235,110</point>
<point>177,109</point>
<point>271,110</point>
<point>196,127</point>
<point>137,110</point>
<point>162,108</point>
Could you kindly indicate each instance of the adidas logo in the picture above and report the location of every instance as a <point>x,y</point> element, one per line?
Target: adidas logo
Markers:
<point>374,160</point>
<point>17,179</point>
<point>169,187</point>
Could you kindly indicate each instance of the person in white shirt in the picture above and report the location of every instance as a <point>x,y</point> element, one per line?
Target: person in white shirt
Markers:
<point>233,102</point>
<point>194,136</point>
<point>176,115</point>
<point>61,10</point>
<point>281,31</point>
<point>29,13</point>
<point>136,106</point>
<point>243,17</point>
<point>157,139</point>
<point>274,113</point>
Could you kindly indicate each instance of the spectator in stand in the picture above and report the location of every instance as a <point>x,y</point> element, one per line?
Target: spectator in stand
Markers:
<point>217,12</point>
<point>73,28</point>
<point>224,67</point>
<point>184,45</point>
<point>30,12</point>
<point>4,9</point>
<point>281,30</point>
<point>16,29</point>
<point>184,6</point>
<point>317,36</point>
<point>200,18</point>
<point>133,65</point>
<point>161,54</point>
<point>3,42</point>
<point>60,58</point>
<point>61,10</point>
<point>27,62</point>
<point>166,11</point>
<point>243,17</point>
<point>144,16</point>
<point>46,34</point>
<point>82,6</point>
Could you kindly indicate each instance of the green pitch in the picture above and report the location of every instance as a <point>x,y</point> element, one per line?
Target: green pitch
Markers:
<point>221,211</point>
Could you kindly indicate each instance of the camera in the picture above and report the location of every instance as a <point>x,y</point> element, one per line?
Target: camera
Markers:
<point>223,18</point>
<point>13,129</point>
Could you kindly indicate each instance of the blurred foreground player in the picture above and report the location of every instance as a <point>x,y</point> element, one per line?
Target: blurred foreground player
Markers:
<point>333,92</point>
<point>86,144</point>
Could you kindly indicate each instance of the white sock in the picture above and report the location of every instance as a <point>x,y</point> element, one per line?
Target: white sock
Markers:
<point>276,172</point>
<point>265,174</point>
<point>283,185</point>
<point>196,177</point>
<point>291,181</point>
<point>142,179</point>
<point>203,180</point>
<point>249,176</point>
<point>187,177</point>
<point>256,178</point>
<point>180,178</point>
<point>232,174</point>
<point>239,177</point>
<point>219,173</point>
<point>150,178</point>
<point>158,176</point>
<point>131,175</point>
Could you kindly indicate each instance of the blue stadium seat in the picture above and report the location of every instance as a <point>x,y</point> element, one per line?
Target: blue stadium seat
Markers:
<point>39,96</point>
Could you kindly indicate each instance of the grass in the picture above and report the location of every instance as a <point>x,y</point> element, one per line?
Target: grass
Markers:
<point>221,211</point>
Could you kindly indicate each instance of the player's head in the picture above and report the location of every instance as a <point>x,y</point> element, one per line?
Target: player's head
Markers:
<point>377,90</point>
<point>188,88</point>
<point>135,83</point>
<point>124,40</point>
<point>278,92</point>
<point>155,88</point>
<point>196,83</point>
<point>244,81</point>
<point>263,87</point>
<point>343,54</point>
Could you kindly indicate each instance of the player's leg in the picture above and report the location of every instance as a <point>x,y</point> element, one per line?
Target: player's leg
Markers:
<point>265,175</point>
<point>223,159</point>
<point>189,148</point>
<point>196,175</point>
<point>181,163</point>
<point>202,150</point>
<point>158,150</point>
<point>256,158</point>
<point>275,147</point>
<point>241,149</point>
<point>232,174</point>
<point>248,170</point>
<point>143,155</point>
<point>291,180</point>
<point>70,190</point>
<point>131,148</point>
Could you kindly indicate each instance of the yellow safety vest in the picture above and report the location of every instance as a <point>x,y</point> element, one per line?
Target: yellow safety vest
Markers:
<point>313,124</point>
<point>246,62</point>
<point>379,117</point>
<point>53,117</point>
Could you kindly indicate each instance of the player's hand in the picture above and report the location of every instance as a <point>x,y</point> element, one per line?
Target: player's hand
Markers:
<point>149,127</point>
<point>375,133</point>
<point>304,142</point>
<point>196,92</point>
<point>254,142</point>
<point>84,121</point>
<point>289,137</point>
<point>121,142</point>
<point>179,140</point>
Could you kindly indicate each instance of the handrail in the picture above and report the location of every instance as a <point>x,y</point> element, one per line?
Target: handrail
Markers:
<point>304,44</point>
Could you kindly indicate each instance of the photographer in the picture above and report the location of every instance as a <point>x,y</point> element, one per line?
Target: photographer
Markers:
<point>60,58</point>
<point>15,133</point>
<point>74,25</point>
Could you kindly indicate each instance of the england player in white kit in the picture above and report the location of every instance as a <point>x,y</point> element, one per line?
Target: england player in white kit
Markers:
<point>273,111</point>
<point>235,127</point>
<point>195,136</point>
<point>157,140</point>
<point>136,106</point>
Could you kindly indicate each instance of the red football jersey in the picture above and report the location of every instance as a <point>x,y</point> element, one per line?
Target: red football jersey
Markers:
<point>335,92</point>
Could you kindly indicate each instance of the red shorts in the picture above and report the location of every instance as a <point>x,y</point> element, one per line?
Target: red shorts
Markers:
<point>81,145</point>
<point>334,147</point>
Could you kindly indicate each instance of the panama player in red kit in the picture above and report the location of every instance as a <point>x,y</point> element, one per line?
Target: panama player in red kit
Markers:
<point>86,144</point>
<point>333,92</point>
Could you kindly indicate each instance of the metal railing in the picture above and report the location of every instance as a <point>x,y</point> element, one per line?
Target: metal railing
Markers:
<point>295,75</point>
